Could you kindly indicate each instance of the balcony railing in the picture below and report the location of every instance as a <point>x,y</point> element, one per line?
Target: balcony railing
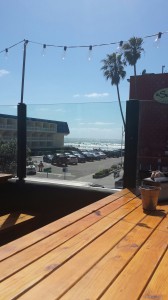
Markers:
<point>8,127</point>
<point>41,129</point>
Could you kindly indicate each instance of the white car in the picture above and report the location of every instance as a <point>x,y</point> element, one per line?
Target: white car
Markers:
<point>31,169</point>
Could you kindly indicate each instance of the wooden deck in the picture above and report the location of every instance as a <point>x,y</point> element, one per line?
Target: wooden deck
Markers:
<point>110,249</point>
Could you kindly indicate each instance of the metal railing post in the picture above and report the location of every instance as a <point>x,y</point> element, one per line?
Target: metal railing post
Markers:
<point>21,126</point>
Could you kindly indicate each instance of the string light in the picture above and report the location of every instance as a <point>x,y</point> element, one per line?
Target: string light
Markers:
<point>159,35</point>
<point>119,48</point>
<point>120,43</point>
<point>157,40</point>
<point>44,50</point>
<point>90,52</point>
<point>6,53</point>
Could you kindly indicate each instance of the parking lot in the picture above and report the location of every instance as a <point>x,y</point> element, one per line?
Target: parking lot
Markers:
<point>78,171</point>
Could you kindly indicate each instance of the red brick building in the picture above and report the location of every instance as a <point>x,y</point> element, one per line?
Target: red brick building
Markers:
<point>152,91</point>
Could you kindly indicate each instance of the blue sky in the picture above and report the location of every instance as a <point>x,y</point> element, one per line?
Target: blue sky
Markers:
<point>74,89</point>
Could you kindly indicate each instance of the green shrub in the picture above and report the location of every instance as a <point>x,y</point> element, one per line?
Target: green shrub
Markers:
<point>102,173</point>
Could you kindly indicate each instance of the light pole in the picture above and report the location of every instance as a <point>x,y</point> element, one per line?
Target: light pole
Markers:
<point>163,69</point>
<point>122,140</point>
<point>21,126</point>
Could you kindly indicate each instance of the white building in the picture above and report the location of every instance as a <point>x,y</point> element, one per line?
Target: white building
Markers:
<point>42,135</point>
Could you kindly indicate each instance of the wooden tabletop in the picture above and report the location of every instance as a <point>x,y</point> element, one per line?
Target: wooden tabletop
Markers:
<point>4,177</point>
<point>110,249</point>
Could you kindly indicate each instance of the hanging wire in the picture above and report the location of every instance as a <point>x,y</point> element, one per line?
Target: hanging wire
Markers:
<point>12,46</point>
<point>44,45</point>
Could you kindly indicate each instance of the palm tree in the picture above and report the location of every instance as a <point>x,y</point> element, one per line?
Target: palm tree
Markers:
<point>132,52</point>
<point>113,69</point>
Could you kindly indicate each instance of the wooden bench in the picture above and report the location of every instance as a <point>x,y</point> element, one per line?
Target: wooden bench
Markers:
<point>12,219</point>
<point>110,249</point>
<point>4,177</point>
<point>14,225</point>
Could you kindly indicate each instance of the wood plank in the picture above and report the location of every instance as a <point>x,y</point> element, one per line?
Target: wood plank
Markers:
<point>44,246</point>
<point>32,238</point>
<point>130,210</point>
<point>117,204</point>
<point>68,273</point>
<point>61,280</point>
<point>13,219</point>
<point>97,280</point>
<point>158,285</point>
<point>83,253</point>
<point>38,250</point>
<point>123,196</point>
<point>164,225</point>
<point>152,217</point>
<point>139,269</point>
<point>39,234</point>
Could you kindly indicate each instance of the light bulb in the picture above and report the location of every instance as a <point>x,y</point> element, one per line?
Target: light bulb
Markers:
<point>64,53</point>
<point>6,53</point>
<point>44,50</point>
<point>90,53</point>
<point>157,40</point>
<point>119,48</point>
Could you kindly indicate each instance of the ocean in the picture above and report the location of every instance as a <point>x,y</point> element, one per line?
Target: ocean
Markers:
<point>90,144</point>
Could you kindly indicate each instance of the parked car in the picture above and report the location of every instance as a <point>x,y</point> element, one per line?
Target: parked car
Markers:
<point>71,159</point>
<point>117,153</point>
<point>30,169</point>
<point>96,155</point>
<point>88,156</point>
<point>47,158</point>
<point>80,157</point>
<point>101,154</point>
<point>59,160</point>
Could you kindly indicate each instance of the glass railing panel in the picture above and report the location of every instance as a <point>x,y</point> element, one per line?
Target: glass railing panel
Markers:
<point>8,139</point>
<point>87,128</point>
<point>93,130</point>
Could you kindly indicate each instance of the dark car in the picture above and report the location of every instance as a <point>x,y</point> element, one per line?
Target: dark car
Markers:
<point>59,160</point>
<point>81,158</point>
<point>88,156</point>
<point>47,158</point>
<point>96,155</point>
<point>71,159</point>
